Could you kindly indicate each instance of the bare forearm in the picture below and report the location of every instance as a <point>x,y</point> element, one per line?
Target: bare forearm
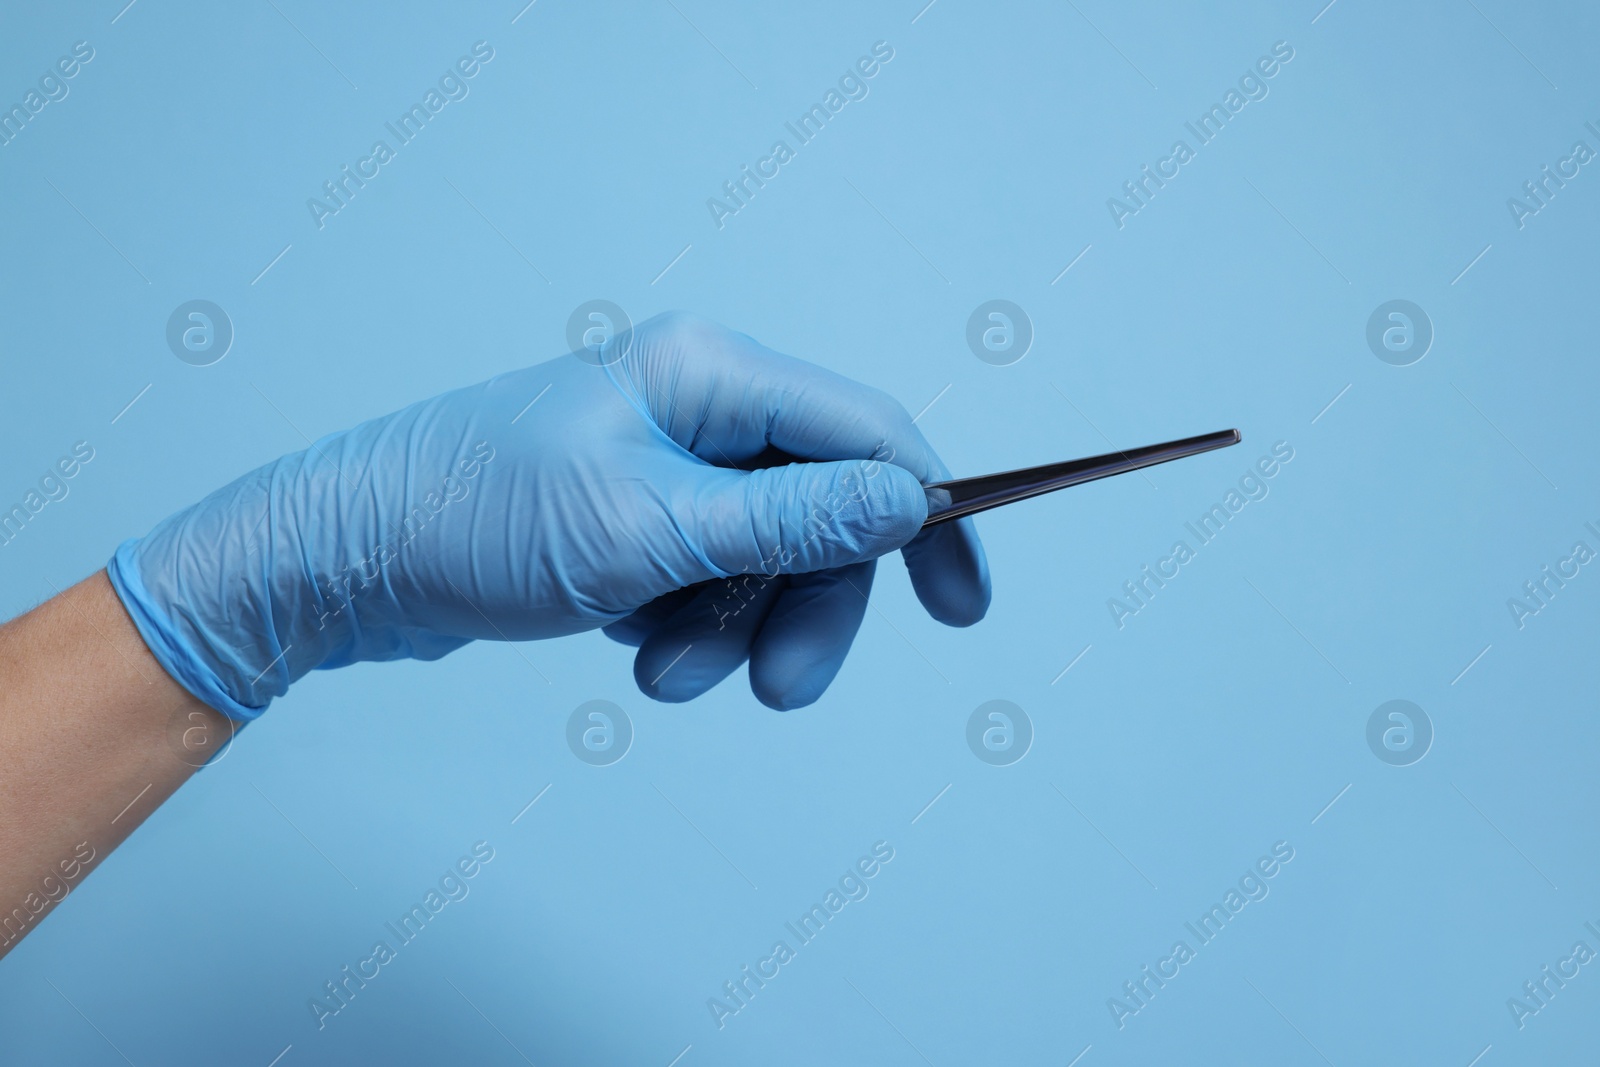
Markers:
<point>94,735</point>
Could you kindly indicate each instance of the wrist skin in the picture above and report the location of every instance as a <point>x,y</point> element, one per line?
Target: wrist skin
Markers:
<point>93,737</point>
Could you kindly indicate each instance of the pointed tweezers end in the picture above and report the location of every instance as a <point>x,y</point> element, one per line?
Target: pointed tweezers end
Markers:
<point>968,496</point>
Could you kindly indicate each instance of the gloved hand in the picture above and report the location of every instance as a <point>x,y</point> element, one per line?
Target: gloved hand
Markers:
<point>562,497</point>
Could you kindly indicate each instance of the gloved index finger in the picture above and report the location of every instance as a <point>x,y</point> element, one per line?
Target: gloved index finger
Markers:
<point>816,414</point>
<point>731,401</point>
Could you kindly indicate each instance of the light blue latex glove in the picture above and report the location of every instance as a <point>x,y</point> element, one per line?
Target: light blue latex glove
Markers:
<point>559,498</point>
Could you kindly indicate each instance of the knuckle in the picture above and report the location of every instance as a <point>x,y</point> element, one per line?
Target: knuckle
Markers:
<point>890,422</point>
<point>686,326</point>
<point>892,413</point>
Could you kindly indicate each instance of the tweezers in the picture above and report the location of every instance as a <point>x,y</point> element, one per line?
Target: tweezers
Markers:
<point>968,496</point>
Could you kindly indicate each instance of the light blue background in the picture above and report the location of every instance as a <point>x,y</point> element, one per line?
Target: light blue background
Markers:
<point>1221,719</point>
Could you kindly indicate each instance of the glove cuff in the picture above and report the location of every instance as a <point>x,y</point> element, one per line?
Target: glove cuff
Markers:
<point>174,654</point>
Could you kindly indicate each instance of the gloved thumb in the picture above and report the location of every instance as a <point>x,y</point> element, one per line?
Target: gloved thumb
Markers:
<point>802,517</point>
